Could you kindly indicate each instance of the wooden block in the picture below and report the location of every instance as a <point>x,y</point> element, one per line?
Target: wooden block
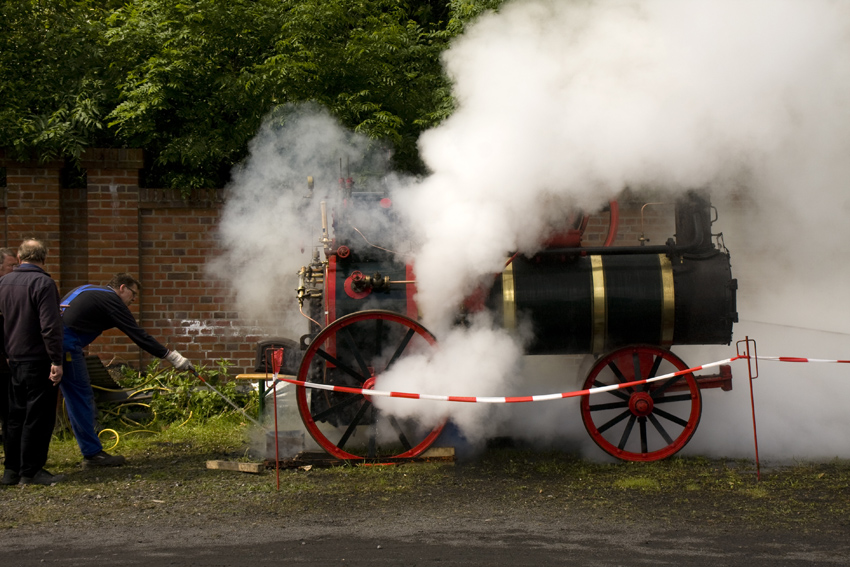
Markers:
<point>254,468</point>
<point>438,453</point>
<point>262,376</point>
<point>254,377</point>
<point>322,459</point>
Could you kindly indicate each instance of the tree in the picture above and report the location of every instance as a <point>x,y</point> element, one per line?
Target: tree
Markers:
<point>190,81</point>
<point>56,83</point>
<point>209,70</point>
<point>377,69</point>
<point>192,97</point>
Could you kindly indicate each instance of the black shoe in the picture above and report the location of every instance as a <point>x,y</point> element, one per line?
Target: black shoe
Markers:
<point>10,478</point>
<point>103,459</point>
<point>43,478</point>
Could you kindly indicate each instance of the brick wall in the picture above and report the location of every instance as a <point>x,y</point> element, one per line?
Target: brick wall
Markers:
<point>651,223</point>
<point>33,192</point>
<point>184,305</point>
<point>113,226</point>
<point>73,226</point>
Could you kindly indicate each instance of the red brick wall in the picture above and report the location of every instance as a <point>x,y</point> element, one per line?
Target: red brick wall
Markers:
<point>112,197</point>
<point>32,194</point>
<point>166,243</point>
<point>183,306</point>
<point>74,252</point>
<point>654,223</point>
<point>114,226</point>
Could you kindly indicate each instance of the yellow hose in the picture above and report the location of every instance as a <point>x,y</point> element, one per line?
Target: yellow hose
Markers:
<point>187,419</point>
<point>117,437</point>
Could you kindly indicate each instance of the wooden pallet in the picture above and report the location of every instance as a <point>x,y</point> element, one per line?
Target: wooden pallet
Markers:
<point>253,468</point>
<point>321,459</point>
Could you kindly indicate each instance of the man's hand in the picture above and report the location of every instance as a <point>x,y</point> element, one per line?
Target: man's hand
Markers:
<point>179,361</point>
<point>55,374</point>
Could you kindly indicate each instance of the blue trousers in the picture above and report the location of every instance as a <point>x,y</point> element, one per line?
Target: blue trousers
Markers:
<point>31,417</point>
<point>79,402</point>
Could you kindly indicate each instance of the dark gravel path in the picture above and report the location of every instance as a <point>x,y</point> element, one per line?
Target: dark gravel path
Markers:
<point>508,508</point>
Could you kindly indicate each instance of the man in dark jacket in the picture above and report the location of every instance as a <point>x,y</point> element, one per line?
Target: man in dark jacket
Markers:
<point>32,340</point>
<point>88,311</point>
<point>8,262</point>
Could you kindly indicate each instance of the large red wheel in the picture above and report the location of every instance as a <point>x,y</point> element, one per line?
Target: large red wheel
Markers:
<point>353,351</point>
<point>666,412</point>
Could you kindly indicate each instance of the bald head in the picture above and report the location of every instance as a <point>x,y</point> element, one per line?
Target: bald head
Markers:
<point>32,251</point>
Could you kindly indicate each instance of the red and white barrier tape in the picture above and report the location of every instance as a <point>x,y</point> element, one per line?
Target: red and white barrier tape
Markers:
<point>795,359</point>
<point>543,397</point>
<point>504,400</point>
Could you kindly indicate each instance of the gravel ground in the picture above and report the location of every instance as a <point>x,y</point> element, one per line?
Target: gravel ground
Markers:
<point>508,507</point>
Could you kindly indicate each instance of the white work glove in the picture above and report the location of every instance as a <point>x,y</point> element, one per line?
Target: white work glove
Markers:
<point>179,361</point>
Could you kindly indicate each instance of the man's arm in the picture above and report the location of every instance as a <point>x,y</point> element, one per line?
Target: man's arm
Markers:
<point>47,297</point>
<point>138,335</point>
<point>126,323</point>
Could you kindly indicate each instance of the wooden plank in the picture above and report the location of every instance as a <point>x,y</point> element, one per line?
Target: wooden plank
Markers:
<point>438,453</point>
<point>262,376</point>
<point>321,459</point>
<point>254,468</point>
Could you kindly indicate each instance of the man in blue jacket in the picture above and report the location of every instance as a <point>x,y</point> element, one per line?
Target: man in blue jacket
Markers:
<point>88,311</point>
<point>32,342</point>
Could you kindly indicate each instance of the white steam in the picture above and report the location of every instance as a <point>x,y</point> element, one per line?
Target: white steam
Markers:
<point>564,104</point>
<point>476,361</point>
<point>567,103</point>
<point>271,222</point>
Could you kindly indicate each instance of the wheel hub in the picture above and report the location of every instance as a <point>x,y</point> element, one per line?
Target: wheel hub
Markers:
<point>368,384</point>
<point>641,404</point>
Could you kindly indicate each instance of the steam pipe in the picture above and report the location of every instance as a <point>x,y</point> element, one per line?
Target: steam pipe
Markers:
<point>642,239</point>
<point>325,234</point>
<point>613,222</point>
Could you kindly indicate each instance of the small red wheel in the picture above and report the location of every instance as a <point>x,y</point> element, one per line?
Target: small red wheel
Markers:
<point>353,351</point>
<point>671,407</point>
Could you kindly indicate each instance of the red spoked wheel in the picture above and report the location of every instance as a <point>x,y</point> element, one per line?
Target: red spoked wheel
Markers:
<point>666,412</point>
<point>353,351</point>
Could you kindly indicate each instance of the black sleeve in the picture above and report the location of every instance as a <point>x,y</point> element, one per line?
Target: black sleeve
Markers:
<point>126,323</point>
<point>47,298</point>
<point>99,309</point>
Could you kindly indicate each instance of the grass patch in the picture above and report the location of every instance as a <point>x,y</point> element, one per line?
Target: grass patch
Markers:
<point>638,483</point>
<point>166,480</point>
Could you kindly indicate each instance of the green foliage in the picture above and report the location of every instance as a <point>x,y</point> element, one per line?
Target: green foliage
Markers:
<point>467,11</point>
<point>56,80</point>
<point>192,94</point>
<point>191,81</point>
<point>207,72</point>
<point>177,397</point>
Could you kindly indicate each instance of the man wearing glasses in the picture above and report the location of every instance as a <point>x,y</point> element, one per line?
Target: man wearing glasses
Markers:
<point>87,312</point>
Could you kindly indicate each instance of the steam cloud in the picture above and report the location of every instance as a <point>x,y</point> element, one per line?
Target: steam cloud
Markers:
<point>271,221</point>
<point>563,104</point>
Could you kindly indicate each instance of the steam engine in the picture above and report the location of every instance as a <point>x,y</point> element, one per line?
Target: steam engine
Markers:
<point>624,305</point>
<point>594,300</point>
